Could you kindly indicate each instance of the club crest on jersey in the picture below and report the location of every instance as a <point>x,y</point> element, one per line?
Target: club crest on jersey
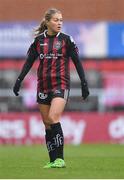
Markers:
<point>57,45</point>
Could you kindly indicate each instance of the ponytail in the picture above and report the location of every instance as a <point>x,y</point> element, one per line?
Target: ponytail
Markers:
<point>48,15</point>
<point>41,28</point>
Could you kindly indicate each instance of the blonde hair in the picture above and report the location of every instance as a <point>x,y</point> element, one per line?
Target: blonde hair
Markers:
<point>48,15</point>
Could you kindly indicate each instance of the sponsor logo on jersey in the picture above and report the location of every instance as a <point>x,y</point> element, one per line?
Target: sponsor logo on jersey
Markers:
<point>50,55</point>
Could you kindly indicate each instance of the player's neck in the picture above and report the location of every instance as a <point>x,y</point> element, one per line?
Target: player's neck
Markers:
<point>51,33</point>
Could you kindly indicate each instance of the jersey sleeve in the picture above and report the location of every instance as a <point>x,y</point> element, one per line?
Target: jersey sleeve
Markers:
<point>31,56</point>
<point>74,54</point>
<point>32,52</point>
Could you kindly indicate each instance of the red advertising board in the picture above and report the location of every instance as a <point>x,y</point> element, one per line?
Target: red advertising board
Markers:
<point>113,86</point>
<point>27,128</point>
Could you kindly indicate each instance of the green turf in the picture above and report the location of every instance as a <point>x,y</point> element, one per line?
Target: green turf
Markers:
<point>85,161</point>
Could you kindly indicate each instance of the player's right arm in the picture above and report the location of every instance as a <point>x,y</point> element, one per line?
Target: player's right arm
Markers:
<point>32,55</point>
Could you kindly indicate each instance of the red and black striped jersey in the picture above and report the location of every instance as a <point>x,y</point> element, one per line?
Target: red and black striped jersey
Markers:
<point>54,53</point>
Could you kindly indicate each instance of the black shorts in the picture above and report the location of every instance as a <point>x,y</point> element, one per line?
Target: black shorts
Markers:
<point>46,98</point>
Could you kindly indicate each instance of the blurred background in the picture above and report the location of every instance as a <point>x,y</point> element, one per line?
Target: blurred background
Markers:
<point>97,27</point>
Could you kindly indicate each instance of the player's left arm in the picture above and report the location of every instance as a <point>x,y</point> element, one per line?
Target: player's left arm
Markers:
<point>74,54</point>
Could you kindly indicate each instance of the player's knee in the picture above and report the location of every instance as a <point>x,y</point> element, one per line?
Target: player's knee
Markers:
<point>53,117</point>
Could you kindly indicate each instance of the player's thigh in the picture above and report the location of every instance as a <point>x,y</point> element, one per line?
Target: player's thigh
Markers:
<point>56,109</point>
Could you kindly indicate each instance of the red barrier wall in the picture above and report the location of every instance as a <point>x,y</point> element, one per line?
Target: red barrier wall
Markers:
<point>27,128</point>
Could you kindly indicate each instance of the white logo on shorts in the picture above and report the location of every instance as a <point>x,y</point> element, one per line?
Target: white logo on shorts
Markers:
<point>57,92</point>
<point>42,95</point>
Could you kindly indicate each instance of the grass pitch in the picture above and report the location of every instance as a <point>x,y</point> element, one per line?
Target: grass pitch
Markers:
<point>84,161</point>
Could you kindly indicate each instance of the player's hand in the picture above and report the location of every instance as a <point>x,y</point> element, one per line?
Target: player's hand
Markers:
<point>17,86</point>
<point>85,90</point>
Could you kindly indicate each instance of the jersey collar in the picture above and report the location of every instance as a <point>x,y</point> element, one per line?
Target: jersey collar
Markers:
<point>45,34</point>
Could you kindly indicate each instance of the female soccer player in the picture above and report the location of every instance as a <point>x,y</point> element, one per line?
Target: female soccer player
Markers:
<point>53,49</point>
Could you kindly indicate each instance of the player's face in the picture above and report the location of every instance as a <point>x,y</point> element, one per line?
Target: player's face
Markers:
<point>55,23</point>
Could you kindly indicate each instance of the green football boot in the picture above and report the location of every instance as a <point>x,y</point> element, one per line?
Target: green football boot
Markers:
<point>48,165</point>
<point>59,163</point>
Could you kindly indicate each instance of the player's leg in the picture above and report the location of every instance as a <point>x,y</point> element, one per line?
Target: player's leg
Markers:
<point>44,110</point>
<point>44,106</point>
<point>56,109</point>
<point>58,102</point>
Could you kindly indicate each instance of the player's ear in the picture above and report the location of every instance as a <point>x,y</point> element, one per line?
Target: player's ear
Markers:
<point>47,23</point>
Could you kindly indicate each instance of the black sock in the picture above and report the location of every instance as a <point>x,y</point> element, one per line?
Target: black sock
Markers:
<point>58,139</point>
<point>50,145</point>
